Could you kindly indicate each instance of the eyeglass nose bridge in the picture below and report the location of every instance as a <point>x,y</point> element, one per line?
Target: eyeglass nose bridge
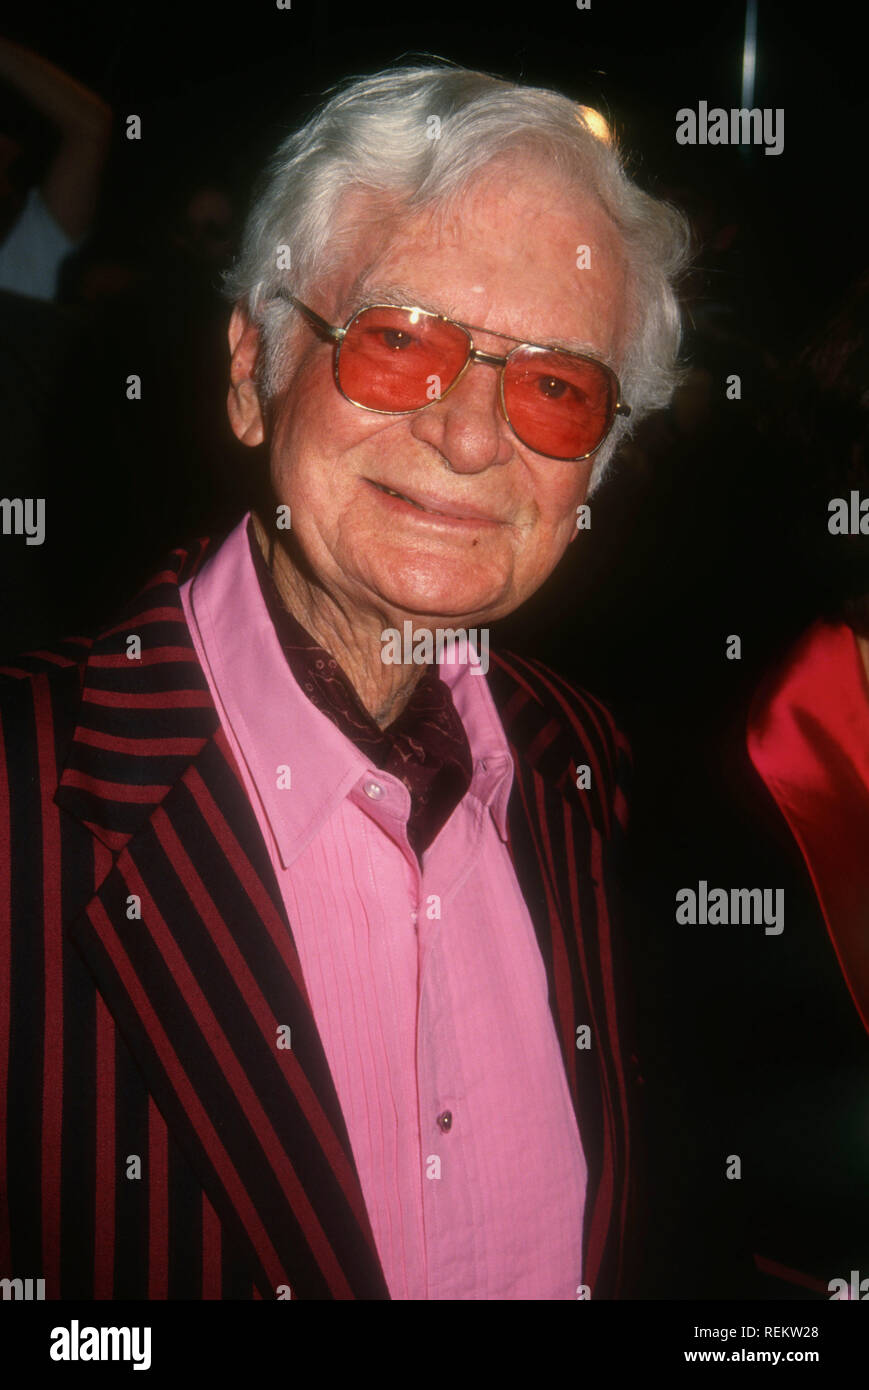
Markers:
<point>489,358</point>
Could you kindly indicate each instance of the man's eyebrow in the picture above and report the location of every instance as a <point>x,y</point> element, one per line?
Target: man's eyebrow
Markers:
<point>398,295</point>
<point>402,296</point>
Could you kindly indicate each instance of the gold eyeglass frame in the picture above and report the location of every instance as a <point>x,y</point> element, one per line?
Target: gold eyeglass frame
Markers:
<point>337,335</point>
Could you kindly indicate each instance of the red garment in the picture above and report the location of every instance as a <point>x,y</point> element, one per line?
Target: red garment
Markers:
<point>808,737</point>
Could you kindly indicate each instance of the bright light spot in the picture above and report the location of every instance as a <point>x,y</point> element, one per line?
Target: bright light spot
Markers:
<point>595,123</point>
<point>748,57</point>
<point>749,53</point>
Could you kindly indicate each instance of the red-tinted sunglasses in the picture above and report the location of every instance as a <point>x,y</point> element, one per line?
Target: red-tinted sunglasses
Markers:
<point>396,360</point>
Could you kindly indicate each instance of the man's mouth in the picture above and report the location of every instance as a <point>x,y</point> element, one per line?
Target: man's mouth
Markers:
<point>390,492</point>
<point>438,507</point>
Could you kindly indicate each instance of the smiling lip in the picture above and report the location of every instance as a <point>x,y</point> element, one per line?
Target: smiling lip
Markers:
<point>451,511</point>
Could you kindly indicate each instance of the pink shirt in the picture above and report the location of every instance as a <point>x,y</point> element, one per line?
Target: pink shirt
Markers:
<point>427,986</point>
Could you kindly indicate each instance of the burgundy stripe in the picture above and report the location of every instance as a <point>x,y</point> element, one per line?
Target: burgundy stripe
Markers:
<point>104,862</point>
<point>518,701</point>
<point>218,1043</point>
<point>52,1055</point>
<point>56,658</point>
<point>115,791</point>
<point>602,1209</point>
<point>602,1212</point>
<point>306,1097</point>
<point>599,781</point>
<point>593,712</point>
<point>5,968</point>
<point>157,747</point>
<point>142,700</point>
<point>105,1175</point>
<point>181,1083</point>
<point>573,889</point>
<point>615,1052</point>
<point>593,708</point>
<point>560,962</point>
<point>547,736</point>
<point>115,839</point>
<point>600,1217</point>
<point>158,1204</point>
<point>245,872</point>
<point>211,1251</point>
<point>151,656</point>
<point>513,709</point>
<point>173,576</point>
<point>168,575</point>
<point>560,970</point>
<point>596,1239</point>
<point>518,675</point>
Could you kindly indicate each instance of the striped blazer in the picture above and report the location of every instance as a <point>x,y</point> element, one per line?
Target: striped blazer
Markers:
<point>154,1141</point>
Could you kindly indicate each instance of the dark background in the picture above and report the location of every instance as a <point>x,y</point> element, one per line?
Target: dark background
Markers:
<point>709,526</point>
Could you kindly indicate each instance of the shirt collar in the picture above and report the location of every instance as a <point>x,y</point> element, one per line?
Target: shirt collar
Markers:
<point>277,727</point>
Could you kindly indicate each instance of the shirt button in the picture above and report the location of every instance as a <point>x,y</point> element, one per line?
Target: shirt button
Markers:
<point>374,790</point>
<point>445,1121</point>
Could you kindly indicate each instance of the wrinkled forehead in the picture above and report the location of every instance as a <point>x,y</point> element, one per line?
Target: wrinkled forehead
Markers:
<point>506,252</point>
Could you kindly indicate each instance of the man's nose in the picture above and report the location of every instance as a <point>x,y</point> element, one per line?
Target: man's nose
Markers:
<point>467,425</point>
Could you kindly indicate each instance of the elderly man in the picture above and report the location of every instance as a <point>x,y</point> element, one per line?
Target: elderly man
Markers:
<point>327,998</point>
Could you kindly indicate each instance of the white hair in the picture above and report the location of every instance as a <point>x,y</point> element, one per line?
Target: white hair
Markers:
<point>374,135</point>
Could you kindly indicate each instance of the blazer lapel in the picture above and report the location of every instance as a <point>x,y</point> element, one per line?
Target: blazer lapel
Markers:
<point>189,944</point>
<point>561,843</point>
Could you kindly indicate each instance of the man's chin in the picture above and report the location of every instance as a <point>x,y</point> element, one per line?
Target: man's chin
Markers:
<point>438,609</point>
<point>440,587</point>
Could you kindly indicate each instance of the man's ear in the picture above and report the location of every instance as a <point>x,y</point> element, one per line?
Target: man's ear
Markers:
<point>243,402</point>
